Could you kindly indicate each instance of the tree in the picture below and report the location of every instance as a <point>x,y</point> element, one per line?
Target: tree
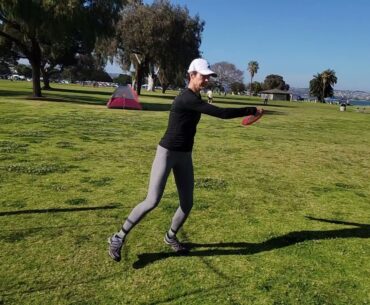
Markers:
<point>227,74</point>
<point>59,55</point>
<point>158,37</point>
<point>328,80</point>
<point>31,26</point>
<point>274,81</point>
<point>252,68</point>
<point>316,88</point>
<point>24,70</point>
<point>180,44</point>
<point>87,68</point>
<point>8,57</point>
<point>321,86</point>
<point>237,87</point>
<point>123,79</point>
<point>255,88</point>
<point>133,29</point>
<point>4,69</point>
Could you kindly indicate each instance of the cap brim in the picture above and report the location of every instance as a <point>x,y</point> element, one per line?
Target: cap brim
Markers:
<point>208,72</point>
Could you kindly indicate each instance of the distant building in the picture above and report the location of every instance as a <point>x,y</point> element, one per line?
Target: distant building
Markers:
<point>276,95</point>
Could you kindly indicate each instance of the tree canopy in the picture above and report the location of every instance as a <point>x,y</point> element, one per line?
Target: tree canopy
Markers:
<point>321,86</point>
<point>227,74</point>
<point>161,35</point>
<point>86,68</point>
<point>8,57</point>
<point>253,67</point>
<point>237,87</point>
<point>274,81</point>
<point>37,29</point>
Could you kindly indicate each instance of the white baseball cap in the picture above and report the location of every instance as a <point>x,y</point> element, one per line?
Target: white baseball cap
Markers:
<point>202,66</point>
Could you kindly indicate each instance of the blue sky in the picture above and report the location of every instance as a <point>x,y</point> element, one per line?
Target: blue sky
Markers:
<point>293,38</point>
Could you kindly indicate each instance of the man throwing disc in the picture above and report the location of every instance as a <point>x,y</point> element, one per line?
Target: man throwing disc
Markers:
<point>174,153</point>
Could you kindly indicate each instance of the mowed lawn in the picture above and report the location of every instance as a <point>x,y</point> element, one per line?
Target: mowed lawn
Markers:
<point>281,214</point>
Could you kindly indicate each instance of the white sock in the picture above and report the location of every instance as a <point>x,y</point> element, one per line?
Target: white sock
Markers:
<point>121,234</point>
<point>171,234</point>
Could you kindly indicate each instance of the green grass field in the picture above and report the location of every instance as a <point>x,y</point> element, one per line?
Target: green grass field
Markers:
<point>281,215</point>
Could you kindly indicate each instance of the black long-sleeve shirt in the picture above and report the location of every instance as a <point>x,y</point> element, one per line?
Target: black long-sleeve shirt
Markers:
<point>184,117</point>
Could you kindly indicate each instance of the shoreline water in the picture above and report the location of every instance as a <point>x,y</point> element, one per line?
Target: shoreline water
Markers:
<point>362,103</point>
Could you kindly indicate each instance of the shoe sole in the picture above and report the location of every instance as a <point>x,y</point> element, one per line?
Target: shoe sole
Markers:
<point>116,259</point>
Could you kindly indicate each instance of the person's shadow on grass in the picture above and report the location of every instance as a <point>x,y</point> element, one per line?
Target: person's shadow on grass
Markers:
<point>244,248</point>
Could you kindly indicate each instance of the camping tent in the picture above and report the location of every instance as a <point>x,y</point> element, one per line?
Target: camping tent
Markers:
<point>124,97</point>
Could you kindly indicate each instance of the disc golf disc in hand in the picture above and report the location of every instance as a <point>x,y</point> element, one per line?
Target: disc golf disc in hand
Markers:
<point>250,119</point>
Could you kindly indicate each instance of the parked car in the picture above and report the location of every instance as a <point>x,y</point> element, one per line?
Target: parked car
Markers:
<point>16,77</point>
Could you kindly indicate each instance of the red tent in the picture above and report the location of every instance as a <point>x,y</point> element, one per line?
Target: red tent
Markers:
<point>124,97</point>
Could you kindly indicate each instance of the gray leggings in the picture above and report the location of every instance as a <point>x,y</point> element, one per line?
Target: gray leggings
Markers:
<point>182,165</point>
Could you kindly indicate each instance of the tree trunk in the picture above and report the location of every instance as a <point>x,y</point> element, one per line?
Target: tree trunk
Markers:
<point>46,79</point>
<point>36,86</point>
<point>150,82</point>
<point>250,92</point>
<point>139,79</point>
<point>164,88</point>
<point>323,91</point>
<point>35,61</point>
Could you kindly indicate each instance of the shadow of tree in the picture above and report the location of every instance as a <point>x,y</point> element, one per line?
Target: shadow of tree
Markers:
<point>84,100</point>
<point>13,93</point>
<point>161,96</point>
<point>88,97</point>
<point>58,210</point>
<point>80,91</point>
<point>244,248</point>
<point>251,103</point>
<point>29,289</point>
<point>155,106</point>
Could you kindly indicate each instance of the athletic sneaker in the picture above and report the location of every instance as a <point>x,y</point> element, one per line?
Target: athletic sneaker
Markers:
<point>115,246</point>
<point>175,244</point>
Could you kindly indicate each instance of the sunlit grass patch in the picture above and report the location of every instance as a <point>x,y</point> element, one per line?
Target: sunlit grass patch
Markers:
<point>57,187</point>
<point>76,201</point>
<point>280,215</point>
<point>17,204</point>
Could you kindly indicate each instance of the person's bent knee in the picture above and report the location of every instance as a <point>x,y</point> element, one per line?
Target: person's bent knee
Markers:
<point>151,204</point>
<point>186,208</point>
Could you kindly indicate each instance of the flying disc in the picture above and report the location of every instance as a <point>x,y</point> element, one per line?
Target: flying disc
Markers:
<point>250,119</point>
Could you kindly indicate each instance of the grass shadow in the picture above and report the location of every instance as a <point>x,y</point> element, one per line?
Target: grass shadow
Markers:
<point>161,96</point>
<point>24,290</point>
<point>155,106</point>
<point>254,103</point>
<point>83,100</point>
<point>88,91</point>
<point>13,93</point>
<point>244,248</point>
<point>273,112</point>
<point>58,210</point>
<point>86,100</point>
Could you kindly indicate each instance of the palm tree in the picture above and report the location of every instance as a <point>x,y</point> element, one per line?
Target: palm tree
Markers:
<point>316,85</point>
<point>328,80</point>
<point>252,68</point>
<point>322,84</point>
